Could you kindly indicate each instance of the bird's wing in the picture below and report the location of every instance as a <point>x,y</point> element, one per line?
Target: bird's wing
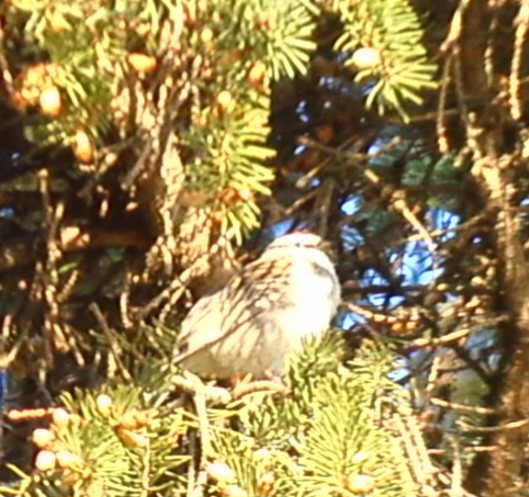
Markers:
<point>266,281</point>
<point>204,314</point>
<point>253,291</point>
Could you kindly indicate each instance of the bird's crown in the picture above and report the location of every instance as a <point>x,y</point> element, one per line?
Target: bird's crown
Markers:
<point>299,239</point>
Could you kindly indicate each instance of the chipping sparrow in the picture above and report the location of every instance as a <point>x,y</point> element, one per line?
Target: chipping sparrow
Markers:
<point>262,312</point>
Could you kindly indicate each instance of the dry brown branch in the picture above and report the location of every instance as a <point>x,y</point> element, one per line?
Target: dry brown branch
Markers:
<point>522,26</point>
<point>454,406</point>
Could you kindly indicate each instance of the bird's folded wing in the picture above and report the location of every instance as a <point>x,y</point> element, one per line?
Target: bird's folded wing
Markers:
<point>255,290</point>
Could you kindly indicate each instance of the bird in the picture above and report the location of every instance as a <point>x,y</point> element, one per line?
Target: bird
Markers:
<point>263,312</point>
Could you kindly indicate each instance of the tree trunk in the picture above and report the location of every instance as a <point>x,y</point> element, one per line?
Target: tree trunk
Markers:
<point>499,472</point>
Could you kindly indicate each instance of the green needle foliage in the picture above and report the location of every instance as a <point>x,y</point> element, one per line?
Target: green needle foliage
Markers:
<point>326,437</point>
<point>114,445</point>
<point>202,70</point>
<point>330,434</point>
<point>230,158</point>
<point>276,32</point>
<point>392,28</point>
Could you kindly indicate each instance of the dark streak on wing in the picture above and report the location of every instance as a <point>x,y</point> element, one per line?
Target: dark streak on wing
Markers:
<point>267,281</point>
<point>260,282</point>
<point>322,271</point>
